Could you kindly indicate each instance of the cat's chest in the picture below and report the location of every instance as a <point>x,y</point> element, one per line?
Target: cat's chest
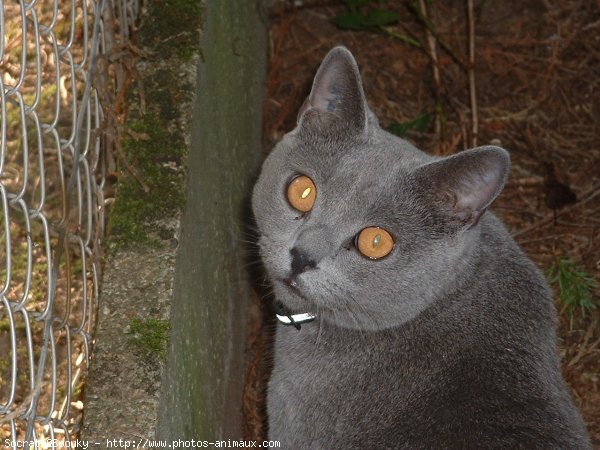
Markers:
<point>345,383</point>
<point>314,369</point>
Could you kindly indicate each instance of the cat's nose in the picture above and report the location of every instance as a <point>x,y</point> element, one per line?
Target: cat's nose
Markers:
<point>301,262</point>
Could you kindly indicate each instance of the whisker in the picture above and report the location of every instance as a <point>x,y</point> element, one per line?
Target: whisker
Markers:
<point>320,319</point>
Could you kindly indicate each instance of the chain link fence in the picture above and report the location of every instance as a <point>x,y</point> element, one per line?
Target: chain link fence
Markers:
<point>59,77</point>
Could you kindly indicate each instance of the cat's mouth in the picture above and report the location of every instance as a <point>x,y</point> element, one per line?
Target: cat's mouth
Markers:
<point>298,313</point>
<point>291,282</point>
<point>292,285</point>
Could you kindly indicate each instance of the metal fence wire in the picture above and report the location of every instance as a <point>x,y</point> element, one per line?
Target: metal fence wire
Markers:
<point>53,161</point>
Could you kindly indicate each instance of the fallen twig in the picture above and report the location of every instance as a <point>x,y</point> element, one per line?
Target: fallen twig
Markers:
<point>471,71</point>
<point>435,67</point>
<point>427,23</point>
<point>583,348</point>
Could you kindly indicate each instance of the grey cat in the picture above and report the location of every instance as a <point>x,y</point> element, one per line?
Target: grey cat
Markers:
<point>416,322</point>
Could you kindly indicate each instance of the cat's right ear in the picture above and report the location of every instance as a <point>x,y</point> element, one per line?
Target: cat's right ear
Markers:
<point>337,92</point>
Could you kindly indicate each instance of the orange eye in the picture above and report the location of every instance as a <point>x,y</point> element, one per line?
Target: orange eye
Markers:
<point>375,242</point>
<point>302,193</point>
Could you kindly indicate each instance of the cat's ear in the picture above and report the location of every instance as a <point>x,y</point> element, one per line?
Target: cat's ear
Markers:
<point>337,91</point>
<point>467,183</point>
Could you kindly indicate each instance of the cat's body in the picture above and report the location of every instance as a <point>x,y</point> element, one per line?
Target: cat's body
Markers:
<point>477,369</point>
<point>448,341</point>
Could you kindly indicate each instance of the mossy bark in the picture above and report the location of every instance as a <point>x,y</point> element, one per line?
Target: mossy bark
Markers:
<point>202,389</point>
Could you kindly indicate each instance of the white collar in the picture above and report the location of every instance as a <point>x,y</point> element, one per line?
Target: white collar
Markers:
<point>286,318</point>
<point>296,318</point>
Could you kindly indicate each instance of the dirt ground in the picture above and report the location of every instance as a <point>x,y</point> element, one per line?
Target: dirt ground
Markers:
<point>536,78</point>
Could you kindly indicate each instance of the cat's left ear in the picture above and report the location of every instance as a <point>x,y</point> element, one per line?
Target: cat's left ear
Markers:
<point>465,184</point>
<point>337,92</point>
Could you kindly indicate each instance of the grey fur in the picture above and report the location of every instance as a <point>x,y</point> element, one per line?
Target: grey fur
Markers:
<point>449,341</point>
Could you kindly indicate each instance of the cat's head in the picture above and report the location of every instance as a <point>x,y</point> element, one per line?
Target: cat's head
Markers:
<point>357,225</point>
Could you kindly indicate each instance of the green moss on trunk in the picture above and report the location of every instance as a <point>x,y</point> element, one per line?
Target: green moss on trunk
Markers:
<point>146,203</point>
<point>157,157</point>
